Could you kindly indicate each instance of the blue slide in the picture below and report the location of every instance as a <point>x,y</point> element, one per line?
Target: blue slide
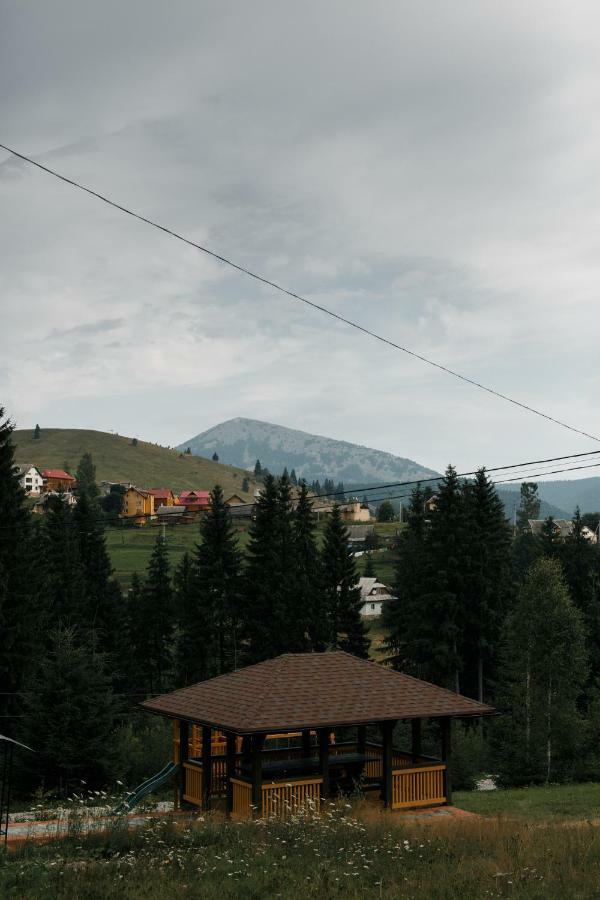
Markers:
<point>146,787</point>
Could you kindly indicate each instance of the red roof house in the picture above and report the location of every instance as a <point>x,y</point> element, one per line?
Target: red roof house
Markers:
<point>195,501</point>
<point>57,480</point>
<point>162,496</point>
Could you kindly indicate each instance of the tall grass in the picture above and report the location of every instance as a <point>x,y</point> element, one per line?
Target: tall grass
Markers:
<point>331,856</point>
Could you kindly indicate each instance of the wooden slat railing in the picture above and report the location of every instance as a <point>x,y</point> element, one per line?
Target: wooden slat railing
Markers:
<point>242,798</point>
<point>282,799</point>
<point>193,783</point>
<point>418,786</point>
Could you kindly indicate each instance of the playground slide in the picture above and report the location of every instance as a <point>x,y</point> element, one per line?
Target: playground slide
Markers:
<point>147,787</point>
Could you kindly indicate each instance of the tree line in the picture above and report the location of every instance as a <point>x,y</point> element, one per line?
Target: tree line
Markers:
<point>507,617</point>
<point>77,654</point>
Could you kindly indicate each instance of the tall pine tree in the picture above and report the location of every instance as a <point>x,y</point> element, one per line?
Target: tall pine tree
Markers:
<point>211,617</point>
<point>341,590</point>
<point>487,585</point>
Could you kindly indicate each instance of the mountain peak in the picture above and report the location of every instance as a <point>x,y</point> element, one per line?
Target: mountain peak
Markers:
<point>241,441</point>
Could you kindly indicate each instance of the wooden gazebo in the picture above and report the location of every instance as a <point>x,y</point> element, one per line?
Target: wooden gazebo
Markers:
<point>229,732</point>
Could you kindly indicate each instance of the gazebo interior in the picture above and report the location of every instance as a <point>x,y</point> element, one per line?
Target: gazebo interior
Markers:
<point>294,731</point>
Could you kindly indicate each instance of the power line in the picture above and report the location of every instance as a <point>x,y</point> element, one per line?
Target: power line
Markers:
<point>319,307</point>
<point>413,483</point>
<point>498,481</point>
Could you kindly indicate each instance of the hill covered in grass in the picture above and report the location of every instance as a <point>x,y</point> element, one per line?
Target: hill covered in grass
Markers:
<point>117,459</point>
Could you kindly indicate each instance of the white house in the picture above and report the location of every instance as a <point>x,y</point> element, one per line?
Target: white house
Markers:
<point>30,478</point>
<point>373,595</point>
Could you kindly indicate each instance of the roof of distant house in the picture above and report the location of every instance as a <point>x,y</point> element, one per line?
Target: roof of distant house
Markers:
<point>160,493</point>
<point>57,473</point>
<point>366,585</point>
<point>21,468</point>
<point>311,690</point>
<point>198,495</point>
<point>563,527</point>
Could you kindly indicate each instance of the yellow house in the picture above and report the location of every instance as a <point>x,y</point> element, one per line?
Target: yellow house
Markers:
<point>138,505</point>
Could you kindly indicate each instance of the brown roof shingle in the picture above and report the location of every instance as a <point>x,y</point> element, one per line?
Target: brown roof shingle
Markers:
<point>311,690</point>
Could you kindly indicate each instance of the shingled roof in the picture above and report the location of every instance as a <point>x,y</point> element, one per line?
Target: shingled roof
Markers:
<point>310,690</point>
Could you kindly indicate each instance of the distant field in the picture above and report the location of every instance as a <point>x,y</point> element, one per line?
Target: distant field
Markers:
<point>116,459</point>
<point>130,548</point>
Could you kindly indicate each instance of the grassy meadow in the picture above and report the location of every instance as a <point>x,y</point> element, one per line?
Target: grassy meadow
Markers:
<point>116,459</point>
<point>347,852</point>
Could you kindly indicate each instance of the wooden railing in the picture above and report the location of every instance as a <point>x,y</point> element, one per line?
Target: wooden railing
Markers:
<point>282,799</point>
<point>418,786</point>
<point>242,798</point>
<point>193,783</point>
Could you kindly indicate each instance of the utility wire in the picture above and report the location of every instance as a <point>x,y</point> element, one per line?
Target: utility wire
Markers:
<point>418,481</point>
<point>323,309</point>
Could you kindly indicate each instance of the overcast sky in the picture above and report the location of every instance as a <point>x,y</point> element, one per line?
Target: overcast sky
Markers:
<point>430,169</point>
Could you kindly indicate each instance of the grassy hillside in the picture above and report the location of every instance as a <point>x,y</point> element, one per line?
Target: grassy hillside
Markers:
<point>116,459</point>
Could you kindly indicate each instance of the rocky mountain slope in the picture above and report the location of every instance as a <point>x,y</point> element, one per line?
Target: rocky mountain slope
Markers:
<point>240,442</point>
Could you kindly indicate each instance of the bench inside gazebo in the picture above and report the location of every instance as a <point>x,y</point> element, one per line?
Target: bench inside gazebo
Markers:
<point>267,736</point>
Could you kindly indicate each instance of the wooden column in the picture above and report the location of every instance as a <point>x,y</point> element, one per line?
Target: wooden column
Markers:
<point>184,736</point>
<point>323,737</point>
<point>387,733</point>
<point>446,724</point>
<point>415,726</point>
<point>306,748</point>
<point>361,739</point>
<point>230,770</point>
<point>206,766</point>
<point>258,741</point>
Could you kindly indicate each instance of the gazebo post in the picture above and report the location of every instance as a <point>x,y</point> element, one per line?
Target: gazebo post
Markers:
<point>415,726</point>
<point>306,748</point>
<point>230,770</point>
<point>184,749</point>
<point>258,741</point>
<point>387,732</point>
<point>446,723</point>
<point>323,736</point>
<point>206,766</point>
<point>361,739</point>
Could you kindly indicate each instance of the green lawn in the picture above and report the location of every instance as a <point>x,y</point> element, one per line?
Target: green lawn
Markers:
<point>551,802</point>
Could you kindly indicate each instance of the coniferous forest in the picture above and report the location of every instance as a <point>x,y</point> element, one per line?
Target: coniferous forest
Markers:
<point>481,607</point>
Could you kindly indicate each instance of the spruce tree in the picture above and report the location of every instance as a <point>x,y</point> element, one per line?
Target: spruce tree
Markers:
<point>294,478</point>
<point>218,585</point>
<point>309,601</point>
<point>151,623</point>
<point>257,469</point>
<point>86,478</point>
<point>341,591</point>
<point>581,565</point>
<point>369,569</point>
<point>215,457</point>
<point>37,433</point>
<point>101,605</point>
<point>245,485</point>
<point>272,624</point>
<point>539,736</point>
<point>549,539</point>
<point>487,584</point>
<point>19,581</point>
<point>69,715</point>
<point>408,642</point>
<point>529,507</point>
<point>444,583</point>
<point>65,584</point>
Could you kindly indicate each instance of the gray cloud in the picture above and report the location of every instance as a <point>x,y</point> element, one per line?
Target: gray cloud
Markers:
<point>430,170</point>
